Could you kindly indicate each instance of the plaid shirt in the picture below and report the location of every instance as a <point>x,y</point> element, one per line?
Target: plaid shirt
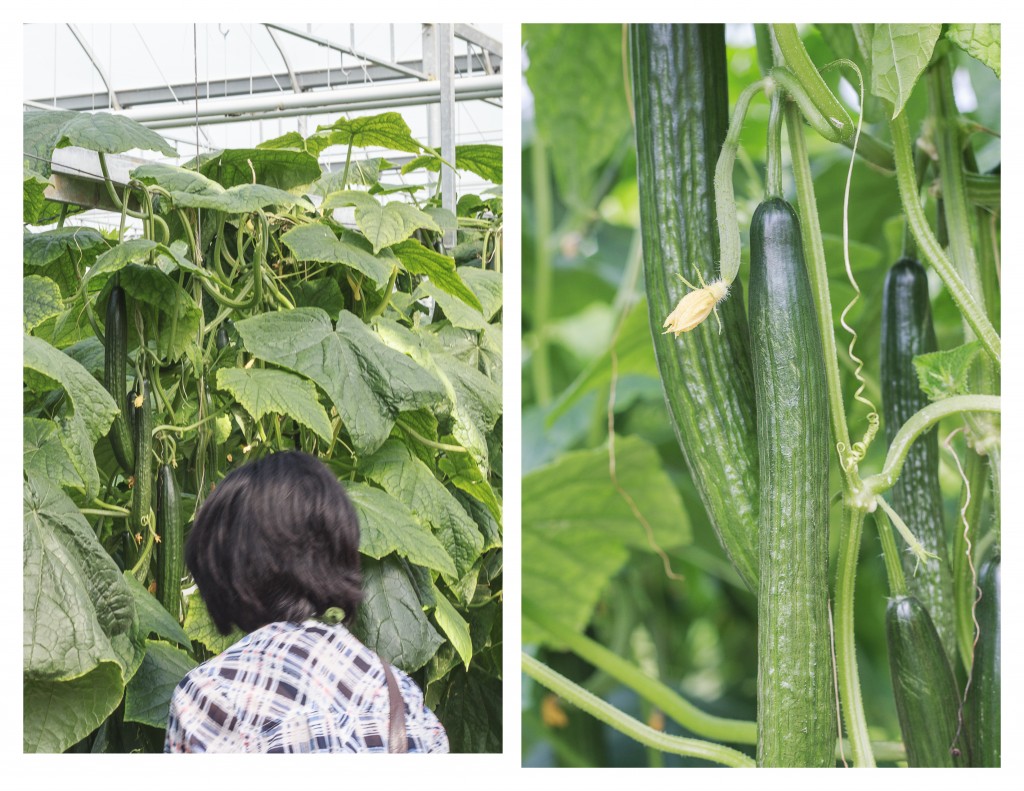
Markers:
<point>295,688</point>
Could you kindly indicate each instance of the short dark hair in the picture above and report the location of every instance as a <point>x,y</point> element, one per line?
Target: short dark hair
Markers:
<point>277,540</point>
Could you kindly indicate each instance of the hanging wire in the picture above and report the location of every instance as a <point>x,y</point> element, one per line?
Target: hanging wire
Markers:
<point>156,63</point>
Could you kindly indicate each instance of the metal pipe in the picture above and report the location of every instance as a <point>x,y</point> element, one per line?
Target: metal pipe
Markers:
<point>324,42</point>
<point>340,107</point>
<point>346,98</point>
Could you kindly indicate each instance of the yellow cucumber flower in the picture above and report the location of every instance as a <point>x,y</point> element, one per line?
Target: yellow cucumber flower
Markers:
<point>695,307</point>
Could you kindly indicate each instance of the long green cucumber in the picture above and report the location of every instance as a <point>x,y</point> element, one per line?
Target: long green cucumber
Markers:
<point>115,376</point>
<point>796,710</point>
<point>984,696</point>
<point>926,692</point>
<point>142,491</point>
<point>682,114</point>
<point>169,552</point>
<point>907,331</point>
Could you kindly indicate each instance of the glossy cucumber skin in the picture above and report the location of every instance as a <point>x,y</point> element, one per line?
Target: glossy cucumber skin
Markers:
<point>907,331</point>
<point>926,692</point>
<point>983,700</point>
<point>795,689</point>
<point>142,491</point>
<point>682,113</point>
<point>169,552</point>
<point>115,376</point>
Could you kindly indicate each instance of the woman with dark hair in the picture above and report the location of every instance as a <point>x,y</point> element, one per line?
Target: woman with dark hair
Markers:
<point>275,551</point>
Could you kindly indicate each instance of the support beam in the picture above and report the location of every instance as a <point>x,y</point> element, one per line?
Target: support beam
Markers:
<point>324,42</point>
<point>363,97</point>
<point>311,80</point>
<point>479,38</point>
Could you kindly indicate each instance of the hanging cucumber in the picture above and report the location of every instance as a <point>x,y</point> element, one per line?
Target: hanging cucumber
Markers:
<point>796,715</point>
<point>115,372</point>
<point>983,699</point>
<point>142,491</point>
<point>169,557</point>
<point>682,113</point>
<point>926,692</point>
<point>907,331</point>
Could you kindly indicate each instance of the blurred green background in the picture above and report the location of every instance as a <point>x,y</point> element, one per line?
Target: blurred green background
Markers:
<point>581,275</point>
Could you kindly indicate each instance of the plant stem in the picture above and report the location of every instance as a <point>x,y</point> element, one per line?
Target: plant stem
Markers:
<point>817,270</point>
<point>725,198</point>
<point>608,714</point>
<point>891,555</point>
<point>773,177</point>
<point>919,423</point>
<point>929,246</point>
<point>430,443</point>
<point>348,162</point>
<point>947,139</point>
<point>543,274</point>
<point>765,55</point>
<point>650,689</point>
<point>845,644</point>
<point>382,306</point>
<point>799,62</point>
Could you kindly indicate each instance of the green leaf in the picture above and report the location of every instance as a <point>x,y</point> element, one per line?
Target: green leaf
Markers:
<point>387,130</point>
<point>578,529</point>
<point>365,172</point>
<point>289,141</point>
<point>899,54</point>
<point>111,134</point>
<point>153,618</point>
<point>387,526</point>
<point>41,301</point>
<point>401,474</point>
<point>45,456</point>
<point>579,103</point>
<point>120,255</point>
<point>190,189</point>
<point>391,620</point>
<point>487,285</point>
<point>483,159</point>
<point>92,408</point>
<point>81,640</point>
<point>58,714</point>
<point>455,309</point>
<point>454,626</point>
<point>475,399</point>
<point>285,170</point>
<point>148,696</point>
<point>41,130</point>
<point>981,41</point>
<point>200,628</point>
<point>470,710</point>
<point>368,383</point>
<point>465,474</point>
<point>33,203</point>
<point>383,224</point>
<point>317,242</point>
<point>54,254</point>
<point>944,374</point>
<point>420,260</point>
<point>323,292</point>
<point>263,392</point>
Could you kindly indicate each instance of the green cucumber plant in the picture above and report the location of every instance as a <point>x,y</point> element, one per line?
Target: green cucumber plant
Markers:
<point>760,418</point>
<point>263,303</point>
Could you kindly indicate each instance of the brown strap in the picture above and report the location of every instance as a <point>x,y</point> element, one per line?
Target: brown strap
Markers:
<point>397,742</point>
